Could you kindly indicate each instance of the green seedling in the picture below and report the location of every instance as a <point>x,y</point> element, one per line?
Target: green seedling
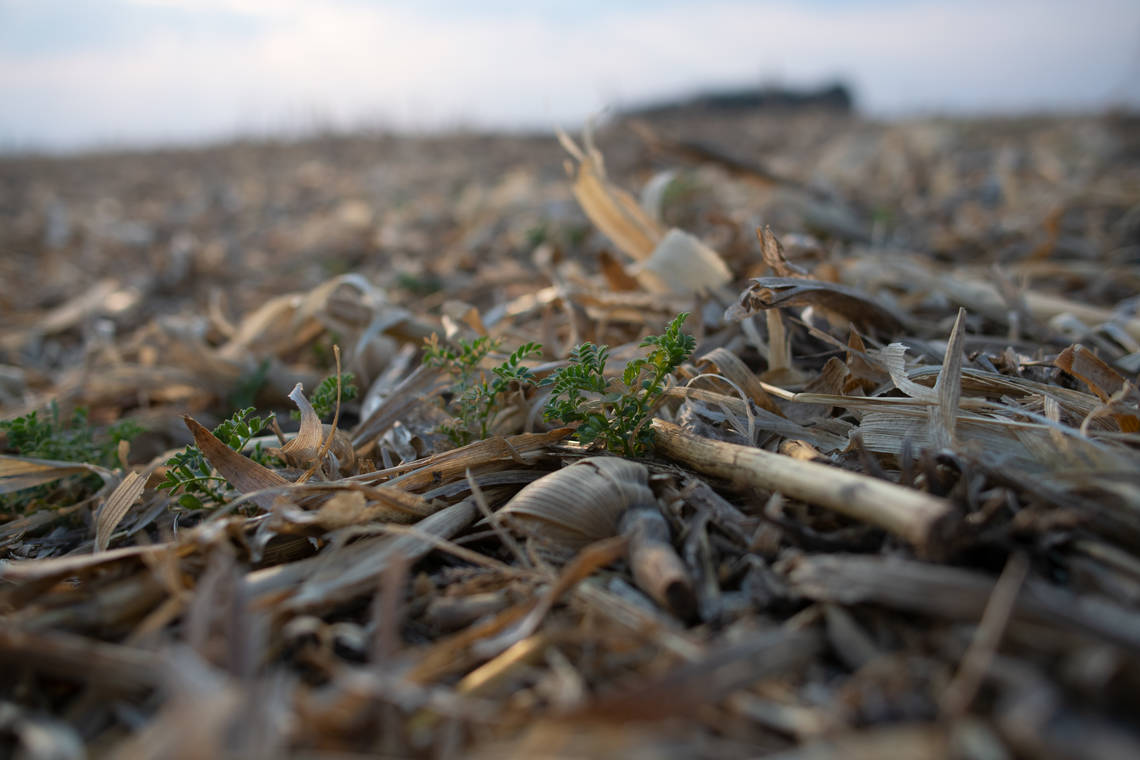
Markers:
<point>615,412</point>
<point>245,391</point>
<point>476,397</point>
<point>324,397</point>
<point>50,437</point>
<point>71,441</point>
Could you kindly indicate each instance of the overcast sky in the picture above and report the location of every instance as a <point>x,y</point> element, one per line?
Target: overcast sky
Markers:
<point>77,73</point>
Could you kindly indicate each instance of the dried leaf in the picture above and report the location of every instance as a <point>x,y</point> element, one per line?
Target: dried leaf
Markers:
<point>241,472</point>
<point>616,276</point>
<point>301,450</point>
<point>579,504</point>
<point>682,264</point>
<point>774,256</point>
<point>948,388</point>
<point>894,357</point>
<point>859,364</point>
<point>777,292</point>
<point>18,473</point>
<point>1102,380</point>
<point>612,210</point>
<point>115,508</point>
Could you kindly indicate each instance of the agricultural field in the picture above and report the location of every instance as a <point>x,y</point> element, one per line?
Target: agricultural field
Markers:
<point>695,435</point>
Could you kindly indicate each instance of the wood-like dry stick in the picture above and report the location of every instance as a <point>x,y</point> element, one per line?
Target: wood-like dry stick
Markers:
<point>656,568</point>
<point>926,522</point>
<point>1000,607</point>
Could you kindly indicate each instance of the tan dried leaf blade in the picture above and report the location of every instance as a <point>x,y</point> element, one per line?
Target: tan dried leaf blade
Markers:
<point>116,507</point>
<point>776,292</point>
<point>18,473</point>
<point>612,210</point>
<point>241,472</point>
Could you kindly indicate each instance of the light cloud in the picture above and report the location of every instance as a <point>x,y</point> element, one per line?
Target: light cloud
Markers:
<point>179,71</point>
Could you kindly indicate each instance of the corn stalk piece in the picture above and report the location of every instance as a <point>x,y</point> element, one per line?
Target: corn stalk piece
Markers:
<point>926,522</point>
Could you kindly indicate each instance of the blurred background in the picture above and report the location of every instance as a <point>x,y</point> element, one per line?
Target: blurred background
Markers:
<point>77,74</point>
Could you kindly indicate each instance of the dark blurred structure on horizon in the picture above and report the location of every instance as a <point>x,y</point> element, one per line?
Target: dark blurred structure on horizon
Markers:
<point>834,96</point>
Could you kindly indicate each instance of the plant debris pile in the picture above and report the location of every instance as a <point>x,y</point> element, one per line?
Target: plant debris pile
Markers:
<point>789,434</point>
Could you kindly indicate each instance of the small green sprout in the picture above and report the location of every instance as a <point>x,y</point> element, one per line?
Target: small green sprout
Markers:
<point>615,413</point>
<point>324,397</point>
<point>419,285</point>
<point>73,440</point>
<point>70,441</point>
<point>477,399</point>
<point>245,390</point>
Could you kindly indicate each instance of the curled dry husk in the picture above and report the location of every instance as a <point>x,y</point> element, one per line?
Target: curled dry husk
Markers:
<point>680,263</point>
<point>778,292</point>
<point>668,261</point>
<point>594,499</point>
<point>579,504</point>
<point>303,449</point>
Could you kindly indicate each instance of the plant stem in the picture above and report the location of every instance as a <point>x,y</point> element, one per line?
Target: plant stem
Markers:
<point>926,522</point>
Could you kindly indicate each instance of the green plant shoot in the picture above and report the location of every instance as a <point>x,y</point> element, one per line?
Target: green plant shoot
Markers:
<point>476,397</point>
<point>615,412</point>
<point>50,437</point>
<point>70,441</point>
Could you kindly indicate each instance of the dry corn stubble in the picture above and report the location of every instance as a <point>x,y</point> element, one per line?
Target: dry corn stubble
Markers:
<point>862,592</point>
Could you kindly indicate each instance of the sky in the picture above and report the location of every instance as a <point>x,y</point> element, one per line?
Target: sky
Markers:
<point>77,74</point>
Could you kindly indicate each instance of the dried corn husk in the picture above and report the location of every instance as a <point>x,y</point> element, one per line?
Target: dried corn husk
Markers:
<point>304,448</point>
<point>116,507</point>
<point>683,264</point>
<point>672,262</point>
<point>595,499</point>
<point>241,472</point>
<point>18,473</point>
<point>579,504</point>
<point>612,210</point>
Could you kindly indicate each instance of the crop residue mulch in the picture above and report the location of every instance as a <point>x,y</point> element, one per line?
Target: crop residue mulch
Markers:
<point>891,507</point>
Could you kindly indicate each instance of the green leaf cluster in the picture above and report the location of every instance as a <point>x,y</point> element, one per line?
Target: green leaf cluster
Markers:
<point>476,396</point>
<point>612,412</point>
<point>189,474</point>
<point>49,437</point>
<point>324,397</point>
